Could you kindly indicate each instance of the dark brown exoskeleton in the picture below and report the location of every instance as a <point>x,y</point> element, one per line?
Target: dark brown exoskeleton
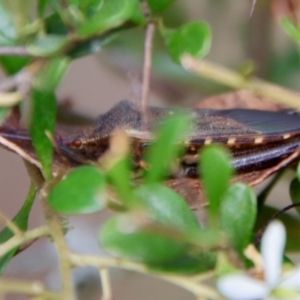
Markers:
<point>261,142</point>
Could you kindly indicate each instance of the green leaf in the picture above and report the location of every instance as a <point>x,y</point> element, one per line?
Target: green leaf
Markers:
<point>95,45</point>
<point>54,25</point>
<point>216,171</point>
<point>167,207</point>
<point>19,11</point>
<point>89,7</point>
<point>193,38</point>
<point>21,220</point>
<point>56,5</point>
<point>188,264</point>
<point>291,29</point>
<point>113,13</point>
<point>120,177</point>
<point>295,193</point>
<point>166,147</point>
<point>8,31</point>
<point>238,214</point>
<point>42,6</point>
<point>158,6</point>
<point>162,232</point>
<point>13,64</point>
<point>156,231</point>
<point>50,77</point>
<point>122,236</point>
<point>137,15</point>
<point>43,120</point>
<point>82,191</point>
<point>47,45</point>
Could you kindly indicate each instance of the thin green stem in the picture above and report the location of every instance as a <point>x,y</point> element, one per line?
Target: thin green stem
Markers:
<point>225,76</point>
<point>187,282</point>
<point>31,288</point>
<point>150,30</point>
<point>61,245</point>
<point>25,237</point>
<point>10,225</point>
<point>106,285</point>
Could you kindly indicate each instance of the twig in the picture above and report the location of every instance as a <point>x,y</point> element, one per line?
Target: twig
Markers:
<point>7,84</point>
<point>10,225</point>
<point>147,68</point>
<point>22,81</point>
<point>204,276</point>
<point>61,245</point>
<point>106,285</point>
<point>186,282</point>
<point>10,83</point>
<point>26,287</point>
<point>233,79</point>
<point>10,99</point>
<point>14,50</point>
<point>25,237</point>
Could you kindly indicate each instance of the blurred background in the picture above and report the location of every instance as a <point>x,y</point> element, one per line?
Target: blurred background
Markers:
<point>94,84</point>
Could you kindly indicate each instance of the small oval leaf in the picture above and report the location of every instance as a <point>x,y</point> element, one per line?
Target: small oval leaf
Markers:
<point>47,45</point>
<point>122,237</point>
<point>112,13</point>
<point>166,147</point>
<point>43,120</point>
<point>167,207</point>
<point>216,171</point>
<point>291,29</point>
<point>8,28</point>
<point>193,38</point>
<point>13,64</point>
<point>238,214</point>
<point>82,191</point>
<point>155,231</point>
<point>158,6</point>
<point>50,77</point>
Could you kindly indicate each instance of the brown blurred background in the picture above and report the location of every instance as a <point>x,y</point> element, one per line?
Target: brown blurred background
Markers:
<point>94,84</point>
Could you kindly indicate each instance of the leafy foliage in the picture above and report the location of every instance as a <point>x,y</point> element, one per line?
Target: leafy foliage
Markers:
<point>152,224</point>
<point>193,38</point>
<point>82,191</point>
<point>166,148</point>
<point>21,221</point>
<point>238,214</point>
<point>43,122</point>
<point>215,183</point>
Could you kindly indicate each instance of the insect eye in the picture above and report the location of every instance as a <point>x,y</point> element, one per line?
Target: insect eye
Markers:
<point>76,143</point>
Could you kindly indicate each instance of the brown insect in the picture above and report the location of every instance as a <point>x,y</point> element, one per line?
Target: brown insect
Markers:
<point>261,142</point>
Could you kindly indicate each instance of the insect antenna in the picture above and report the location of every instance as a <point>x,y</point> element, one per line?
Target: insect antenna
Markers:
<point>275,216</point>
